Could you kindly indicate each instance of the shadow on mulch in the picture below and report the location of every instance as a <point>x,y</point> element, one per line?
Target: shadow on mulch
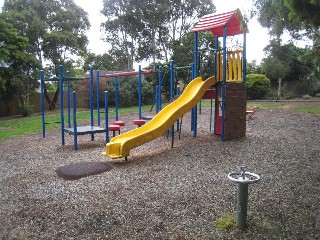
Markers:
<point>80,170</point>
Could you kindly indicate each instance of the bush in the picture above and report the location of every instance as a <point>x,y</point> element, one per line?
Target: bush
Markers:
<point>128,92</point>
<point>288,95</point>
<point>307,96</point>
<point>27,110</point>
<point>271,95</point>
<point>257,85</point>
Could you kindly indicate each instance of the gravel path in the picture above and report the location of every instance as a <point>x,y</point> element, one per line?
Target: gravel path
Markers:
<point>163,193</point>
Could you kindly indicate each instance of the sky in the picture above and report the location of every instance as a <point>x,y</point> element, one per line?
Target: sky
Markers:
<point>257,38</point>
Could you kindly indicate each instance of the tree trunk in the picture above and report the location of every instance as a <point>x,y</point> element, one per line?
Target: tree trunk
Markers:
<point>279,88</point>
<point>154,49</point>
<point>52,103</point>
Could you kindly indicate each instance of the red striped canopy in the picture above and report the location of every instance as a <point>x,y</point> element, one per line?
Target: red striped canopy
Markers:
<point>233,21</point>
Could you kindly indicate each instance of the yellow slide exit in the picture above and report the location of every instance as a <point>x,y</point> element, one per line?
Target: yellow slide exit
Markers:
<point>121,145</point>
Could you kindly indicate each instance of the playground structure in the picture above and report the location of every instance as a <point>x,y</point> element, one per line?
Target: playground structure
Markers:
<point>226,87</point>
<point>230,72</point>
<point>74,129</point>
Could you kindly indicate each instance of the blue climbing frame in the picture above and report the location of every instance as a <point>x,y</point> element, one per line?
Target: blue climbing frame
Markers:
<point>74,130</point>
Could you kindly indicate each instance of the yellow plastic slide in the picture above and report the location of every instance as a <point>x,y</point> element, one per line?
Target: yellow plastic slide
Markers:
<point>121,145</point>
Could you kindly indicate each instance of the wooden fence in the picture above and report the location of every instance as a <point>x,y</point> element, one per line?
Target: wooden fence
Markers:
<point>11,108</point>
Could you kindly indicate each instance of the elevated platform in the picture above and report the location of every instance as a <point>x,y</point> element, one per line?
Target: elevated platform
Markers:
<point>83,130</point>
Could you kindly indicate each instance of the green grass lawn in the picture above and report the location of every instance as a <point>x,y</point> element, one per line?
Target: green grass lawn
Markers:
<point>299,107</point>
<point>10,127</point>
<point>16,126</point>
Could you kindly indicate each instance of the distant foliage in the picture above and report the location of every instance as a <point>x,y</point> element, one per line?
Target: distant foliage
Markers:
<point>128,92</point>
<point>257,85</point>
<point>306,97</point>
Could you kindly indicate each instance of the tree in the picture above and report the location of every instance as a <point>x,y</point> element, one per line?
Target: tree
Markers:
<point>145,29</point>
<point>103,62</point>
<point>304,12</point>
<point>274,15</point>
<point>288,63</point>
<point>252,67</point>
<point>299,18</point>
<point>55,30</point>
<point>122,28</point>
<point>275,70</point>
<point>16,66</point>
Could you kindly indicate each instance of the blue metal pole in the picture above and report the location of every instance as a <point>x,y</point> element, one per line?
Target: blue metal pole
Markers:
<point>91,96</point>
<point>194,75</point>
<point>192,110</point>
<point>178,94</point>
<point>157,99</point>
<point>171,80</point>
<point>224,65</point>
<point>171,90</point>
<point>91,101</point>
<point>195,55</point>
<point>194,121</point>
<point>216,102</point>
<point>224,78</point>
<point>216,46</point>
<point>68,99</point>
<point>244,59</point>
<point>98,95</point>
<point>42,103</point>
<point>160,88</point>
<point>140,92</point>
<point>106,114</point>
<point>116,96</point>
<point>75,135</point>
<point>61,103</point>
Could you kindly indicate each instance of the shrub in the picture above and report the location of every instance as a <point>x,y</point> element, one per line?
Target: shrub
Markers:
<point>288,95</point>
<point>128,92</point>
<point>27,110</point>
<point>257,85</point>
<point>307,96</point>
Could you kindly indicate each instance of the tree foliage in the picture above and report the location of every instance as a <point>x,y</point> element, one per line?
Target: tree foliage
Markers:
<point>100,61</point>
<point>288,63</point>
<point>304,12</point>
<point>144,29</point>
<point>290,15</point>
<point>55,31</point>
<point>300,19</point>
<point>16,65</point>
<point>291,65</point>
